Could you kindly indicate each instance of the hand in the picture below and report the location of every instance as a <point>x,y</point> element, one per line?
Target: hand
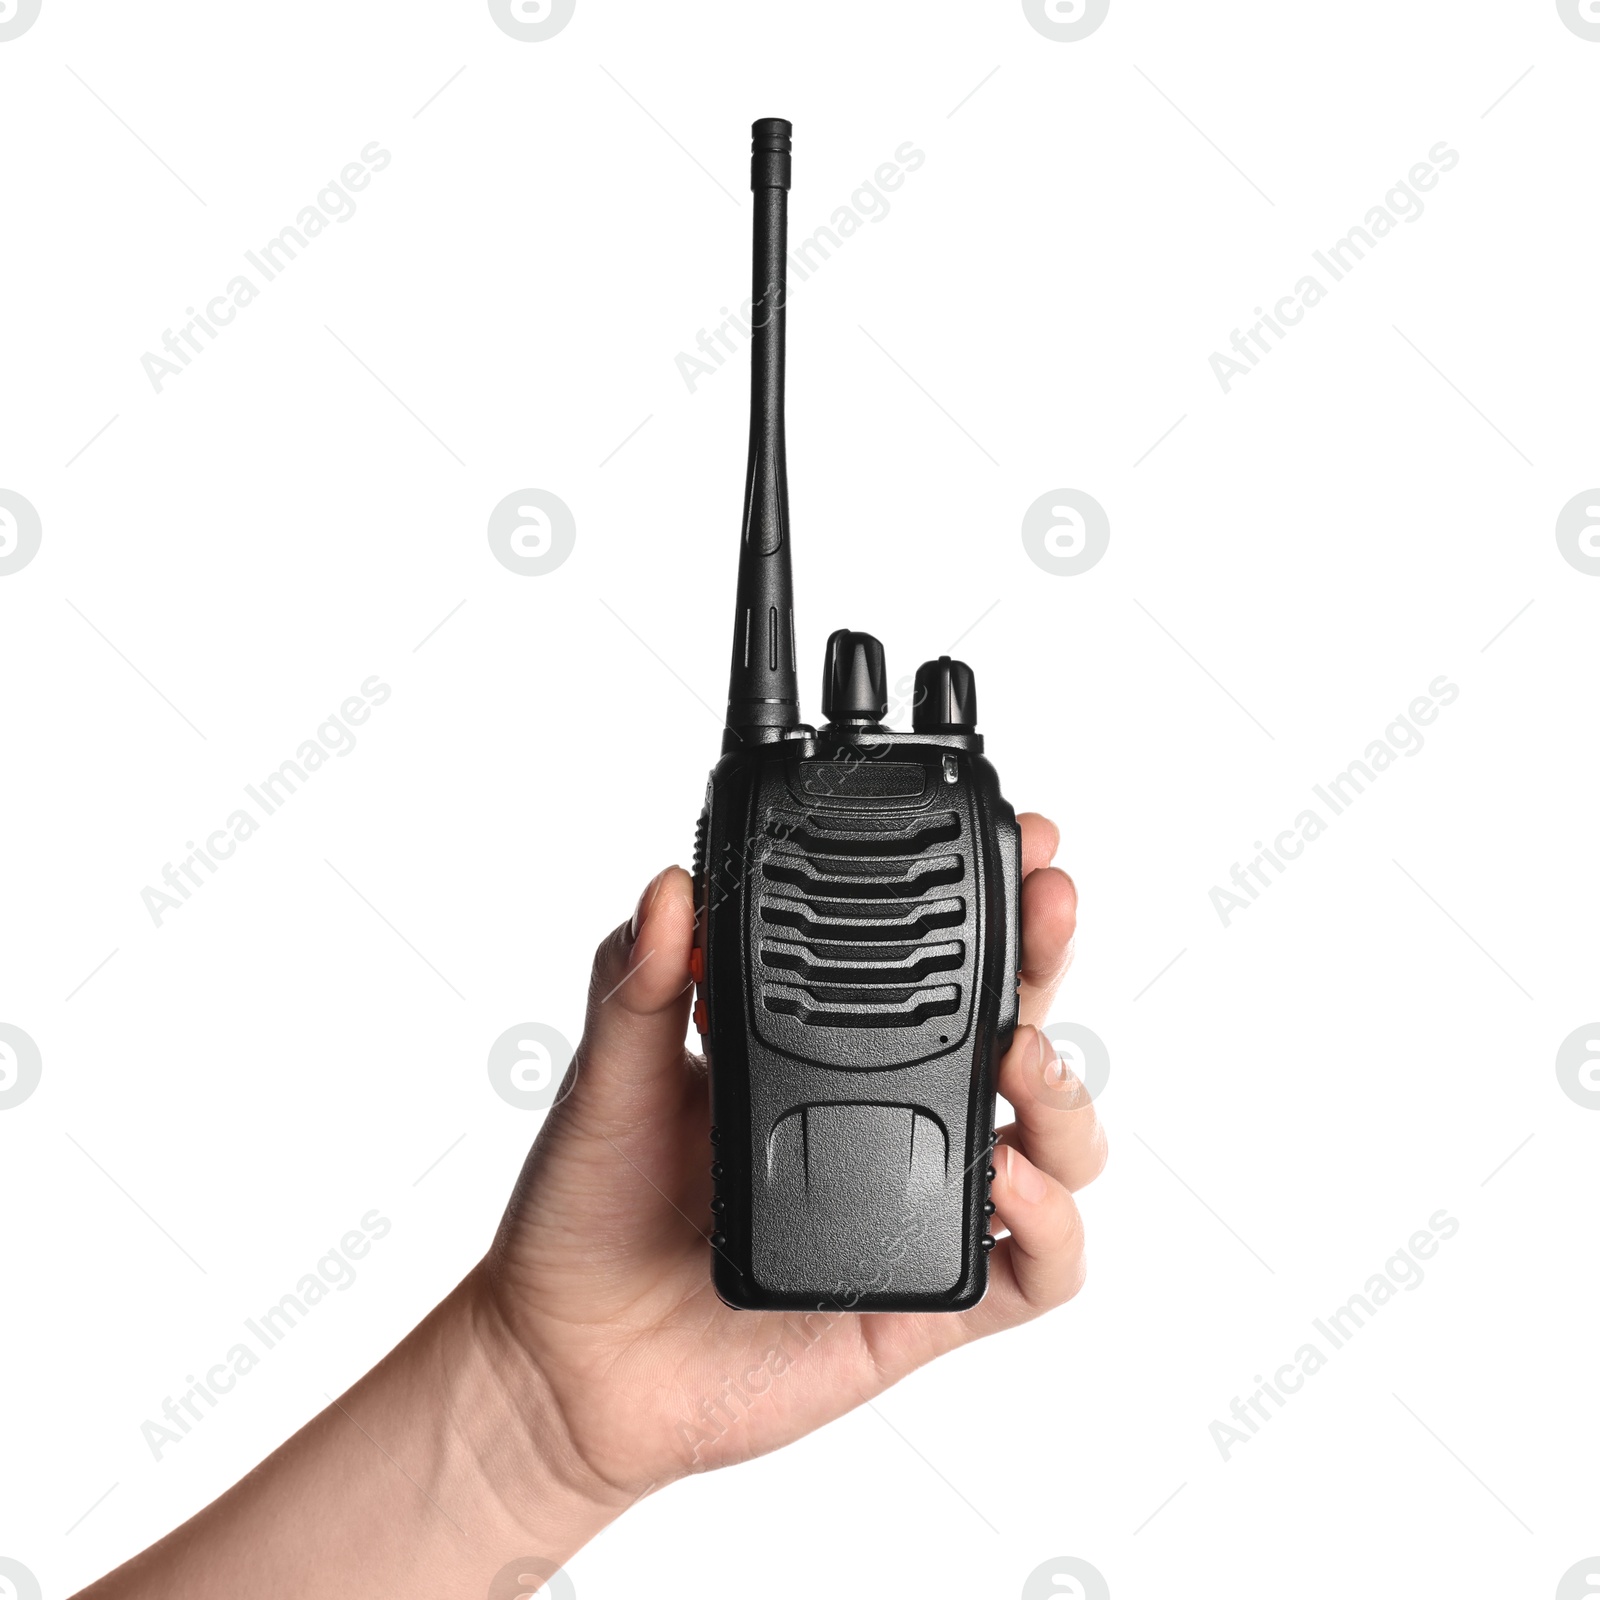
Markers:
<point>598,1285</point>
<point>587,1360</point>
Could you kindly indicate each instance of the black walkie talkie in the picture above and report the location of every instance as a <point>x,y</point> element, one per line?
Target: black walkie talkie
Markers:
<point>857,942</point>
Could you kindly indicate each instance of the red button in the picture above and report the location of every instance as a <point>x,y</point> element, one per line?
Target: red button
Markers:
<point>697,964</point>
<point>700,1016</point>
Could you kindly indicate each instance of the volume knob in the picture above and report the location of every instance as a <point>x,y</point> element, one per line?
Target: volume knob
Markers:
<point>946,698</point>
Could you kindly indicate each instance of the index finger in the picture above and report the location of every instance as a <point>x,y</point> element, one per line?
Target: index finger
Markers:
<point>1041,838</point>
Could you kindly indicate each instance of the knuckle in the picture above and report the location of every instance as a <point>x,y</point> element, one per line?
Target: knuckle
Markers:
<point>606,955</point>
<point>1075,1283</point>
<point>1096,1155</point>
<point>1071,1236</point>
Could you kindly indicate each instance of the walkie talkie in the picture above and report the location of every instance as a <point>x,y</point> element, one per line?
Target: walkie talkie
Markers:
<point>857,940</point>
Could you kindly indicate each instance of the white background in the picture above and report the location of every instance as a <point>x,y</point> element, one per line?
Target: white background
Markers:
<point>1289,1100</point>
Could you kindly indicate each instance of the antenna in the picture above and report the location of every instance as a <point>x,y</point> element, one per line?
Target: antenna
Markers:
<point>763,691</point>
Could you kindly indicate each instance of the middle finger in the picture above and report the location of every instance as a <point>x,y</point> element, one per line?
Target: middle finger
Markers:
<point>1057,1127</point>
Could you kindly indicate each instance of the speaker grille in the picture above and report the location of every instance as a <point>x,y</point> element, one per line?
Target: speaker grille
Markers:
<point>854,917</point>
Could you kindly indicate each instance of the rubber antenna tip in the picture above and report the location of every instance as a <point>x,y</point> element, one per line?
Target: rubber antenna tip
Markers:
<point>769,153</point>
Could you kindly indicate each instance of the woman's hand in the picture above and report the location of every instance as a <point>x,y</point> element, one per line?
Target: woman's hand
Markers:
<point>600,1279</point>
<point>587,1360</point>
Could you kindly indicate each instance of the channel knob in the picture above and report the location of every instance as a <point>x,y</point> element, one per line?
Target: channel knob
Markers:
<point>855,682</point>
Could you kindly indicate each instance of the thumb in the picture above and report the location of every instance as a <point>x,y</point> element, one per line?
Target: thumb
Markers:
<point>629,1065</point>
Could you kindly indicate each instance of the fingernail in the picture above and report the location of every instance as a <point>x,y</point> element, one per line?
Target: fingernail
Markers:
<point>1025,1178</point>
<point>646,900</point>
<point>1055,1072</point>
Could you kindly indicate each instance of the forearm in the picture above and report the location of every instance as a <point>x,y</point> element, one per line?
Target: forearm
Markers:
<point>442,1466</point>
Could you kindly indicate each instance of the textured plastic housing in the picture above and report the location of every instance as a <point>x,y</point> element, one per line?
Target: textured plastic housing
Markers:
<point>860,937</point>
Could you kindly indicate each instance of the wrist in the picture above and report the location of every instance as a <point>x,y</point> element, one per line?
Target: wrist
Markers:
<point>501,1426</point>
<point>443,1472</point>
